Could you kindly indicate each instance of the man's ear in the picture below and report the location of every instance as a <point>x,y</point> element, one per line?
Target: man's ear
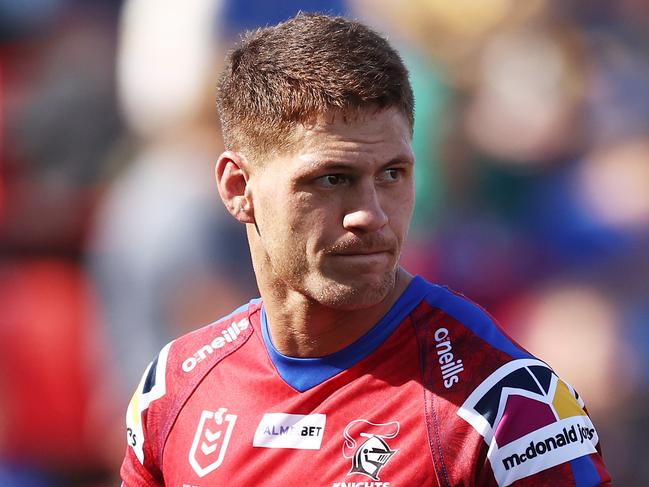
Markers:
<point>232,175</point>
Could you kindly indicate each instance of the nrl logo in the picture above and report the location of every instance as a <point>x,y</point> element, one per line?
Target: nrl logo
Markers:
<point>211,441</point>
<point>365,444</point>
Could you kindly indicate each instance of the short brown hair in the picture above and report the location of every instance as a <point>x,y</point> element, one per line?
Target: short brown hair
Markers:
<point>292,72</point>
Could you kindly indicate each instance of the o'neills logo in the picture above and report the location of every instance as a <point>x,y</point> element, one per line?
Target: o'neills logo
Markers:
<point>228,335</point>
<point>450,367</point>
<point>567,436</point>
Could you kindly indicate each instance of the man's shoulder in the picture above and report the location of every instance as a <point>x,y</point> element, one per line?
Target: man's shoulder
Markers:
<point>464,342</point>
<point>198,350</point>
<point>448,314</point>
<point>174,373</point>
<point>185,361</point>
<point>490,388</point>
<point>469,357</point>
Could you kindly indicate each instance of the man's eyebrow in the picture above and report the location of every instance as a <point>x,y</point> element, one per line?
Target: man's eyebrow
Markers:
<point>402,159</point>
<point>316,165</point>
<point>329,164</point>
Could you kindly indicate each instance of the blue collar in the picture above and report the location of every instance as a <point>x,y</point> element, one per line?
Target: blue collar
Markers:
<point>305,373</point>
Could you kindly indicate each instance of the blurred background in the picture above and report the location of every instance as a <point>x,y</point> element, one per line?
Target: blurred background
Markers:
<point>532,145</point>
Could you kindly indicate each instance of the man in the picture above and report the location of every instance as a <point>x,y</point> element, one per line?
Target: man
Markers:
<point>348,371</point>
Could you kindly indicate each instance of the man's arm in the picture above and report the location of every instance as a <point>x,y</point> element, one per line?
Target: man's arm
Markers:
<point>531,442</point>
<point>139,468</point>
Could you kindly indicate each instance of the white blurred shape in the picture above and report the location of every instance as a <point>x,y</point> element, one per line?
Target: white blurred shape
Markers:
<point>165,58</point>
<point>468,17</point>
<point>523,101</point>
<point>614,184</point>
<point>577,330</point>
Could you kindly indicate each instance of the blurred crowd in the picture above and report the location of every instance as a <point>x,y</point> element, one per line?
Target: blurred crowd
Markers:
<point>532,147</point>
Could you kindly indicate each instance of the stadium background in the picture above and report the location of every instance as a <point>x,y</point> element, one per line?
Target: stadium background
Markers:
<point>532,144</point>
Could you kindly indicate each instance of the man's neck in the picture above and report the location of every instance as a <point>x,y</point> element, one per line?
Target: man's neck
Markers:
<point>300,327</point>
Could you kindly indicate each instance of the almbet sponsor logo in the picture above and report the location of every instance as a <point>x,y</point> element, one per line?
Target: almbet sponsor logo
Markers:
<point>228,335</point>
<point>298,431</point>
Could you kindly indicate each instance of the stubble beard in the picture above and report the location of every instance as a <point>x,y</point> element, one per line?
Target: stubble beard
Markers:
<point>345,292</point>
<point>337,295</point>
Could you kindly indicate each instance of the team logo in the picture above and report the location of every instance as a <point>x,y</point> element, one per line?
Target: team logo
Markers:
<point>365,445</point>
<point>530,419</point>
<point>211,441</point>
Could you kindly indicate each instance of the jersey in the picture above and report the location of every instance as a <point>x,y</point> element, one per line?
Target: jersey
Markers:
<point>435,394</point>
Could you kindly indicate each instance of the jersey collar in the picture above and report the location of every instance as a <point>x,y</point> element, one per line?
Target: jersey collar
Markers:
<point>305,373</point>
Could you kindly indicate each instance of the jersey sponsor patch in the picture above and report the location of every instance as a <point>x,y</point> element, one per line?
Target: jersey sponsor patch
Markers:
<point>298,431</point>
<point>211,440</point>
<point>530,419</point>
<point>151,387</point>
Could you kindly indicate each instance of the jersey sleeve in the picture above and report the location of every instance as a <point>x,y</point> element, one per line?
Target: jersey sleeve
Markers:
<point>535,430</point>
<point>140,467</point>
<point>499,416</point>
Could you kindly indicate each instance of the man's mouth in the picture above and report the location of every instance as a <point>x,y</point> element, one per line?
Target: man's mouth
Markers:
<point>360,252</point>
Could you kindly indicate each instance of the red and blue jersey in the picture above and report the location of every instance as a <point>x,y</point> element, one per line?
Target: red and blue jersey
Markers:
<point>434,394</point>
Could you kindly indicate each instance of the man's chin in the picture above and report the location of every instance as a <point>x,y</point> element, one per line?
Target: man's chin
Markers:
<point>358,292</point>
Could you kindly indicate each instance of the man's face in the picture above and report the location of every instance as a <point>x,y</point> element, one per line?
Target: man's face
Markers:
<point>332,215</point>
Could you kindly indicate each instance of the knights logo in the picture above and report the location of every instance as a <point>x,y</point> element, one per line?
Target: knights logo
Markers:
<point>211,441</point>
<point>365,445</point>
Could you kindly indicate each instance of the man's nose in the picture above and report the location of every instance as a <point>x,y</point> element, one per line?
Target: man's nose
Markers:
<point>365,211</point>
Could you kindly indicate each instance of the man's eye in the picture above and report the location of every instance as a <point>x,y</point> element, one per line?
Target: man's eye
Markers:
<point>390,175</point>
<point>332,180</point>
